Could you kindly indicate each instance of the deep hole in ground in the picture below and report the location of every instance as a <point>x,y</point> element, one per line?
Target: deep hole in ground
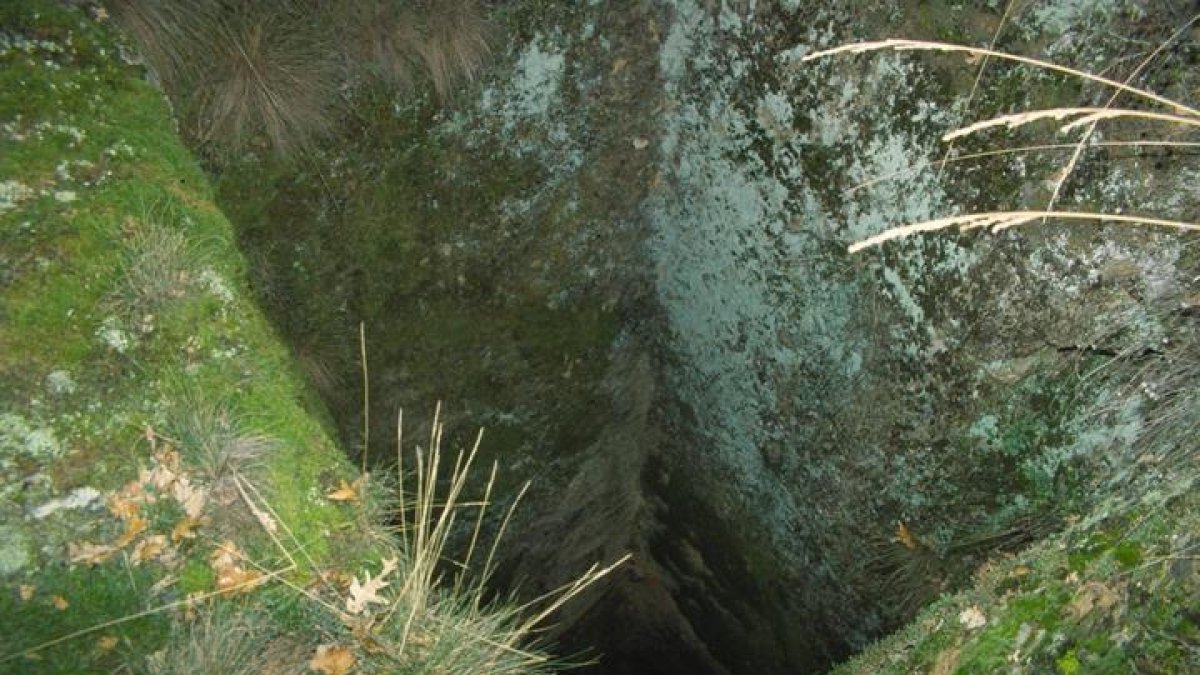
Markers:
<point>628,264</point>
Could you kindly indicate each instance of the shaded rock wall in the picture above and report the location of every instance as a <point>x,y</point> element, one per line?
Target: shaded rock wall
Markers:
<point>624,252</point>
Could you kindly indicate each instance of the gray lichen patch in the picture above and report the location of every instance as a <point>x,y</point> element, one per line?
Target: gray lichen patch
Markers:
<point>14,555</point>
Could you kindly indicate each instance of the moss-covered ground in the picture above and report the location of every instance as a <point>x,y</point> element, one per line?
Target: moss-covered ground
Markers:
<point>146,402</point>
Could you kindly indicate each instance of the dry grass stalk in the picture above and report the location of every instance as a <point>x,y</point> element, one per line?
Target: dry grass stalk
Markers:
<point>1001,220</point>
<point>1084,116</point>
<point>427,533</point>
<point>1080,117</point>
<point>1022,149</point>
<point>983,64</point>
<point>1082,143</point>
<point>925,45</point>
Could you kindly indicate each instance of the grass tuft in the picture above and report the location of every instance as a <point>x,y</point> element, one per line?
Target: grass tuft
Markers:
<point>161,265</point>
<point>443,622</point>
<point>278,74</point>
<point>219,640</point>
<point>212,438</point>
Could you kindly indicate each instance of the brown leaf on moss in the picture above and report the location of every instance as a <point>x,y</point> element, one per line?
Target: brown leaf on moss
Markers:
<point>185,529</point>
<point>332,660</point>
<point>226,564</point>
<point>123,507</point>
<point>149,548</point>
<point>106,644</point>
<point>191,498</point>
<point>136,525</point>
<point>89,553</point>
<point>60,603</point>
<point>345,492</point>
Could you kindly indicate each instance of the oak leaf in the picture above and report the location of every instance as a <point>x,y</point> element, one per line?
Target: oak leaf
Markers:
<point>149,548</point>
<point>225,563</point>
<point>332,660</point>
<point>362,595</point>
<point>184,529</point>
<point>89,553</point>
<point>191,498</point>
<point>346,492</point>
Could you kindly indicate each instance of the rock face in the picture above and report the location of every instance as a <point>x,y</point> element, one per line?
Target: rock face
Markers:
<point>625,252</point>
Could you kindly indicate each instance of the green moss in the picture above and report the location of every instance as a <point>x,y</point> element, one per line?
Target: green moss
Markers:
<point>121,283</point>
<point>92,596</point>
<point>196,577</point>
<point>1128,554</point>
<point>1068,664</point>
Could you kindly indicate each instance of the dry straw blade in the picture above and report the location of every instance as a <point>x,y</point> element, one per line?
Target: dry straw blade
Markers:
<point>925,45</point>
<point>1002,220</point>
<point>1079,117</point>
<point>1083,117</point>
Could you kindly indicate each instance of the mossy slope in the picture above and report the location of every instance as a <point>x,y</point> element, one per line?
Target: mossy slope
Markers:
<point>125,336</point>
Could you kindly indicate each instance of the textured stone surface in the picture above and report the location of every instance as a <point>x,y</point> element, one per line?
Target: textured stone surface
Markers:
<point>641,216</point>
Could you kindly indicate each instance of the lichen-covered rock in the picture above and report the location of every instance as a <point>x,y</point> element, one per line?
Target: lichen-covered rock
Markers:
<point>624,251</point>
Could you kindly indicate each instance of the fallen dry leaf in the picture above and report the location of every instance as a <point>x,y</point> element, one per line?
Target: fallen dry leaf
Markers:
<point>160,477</point>
<point>905,536</point>
<point>26,591</point>
<point>60,603</point>
<point>361,596</point>
<point>123,507</point>
<point>225,563</point>
<point>149,548</point>
<point>346,492</point>
<point>972,618</point>
<point>184,529</point>
<point>136,525</point>
<point>1092,595</point>
<point>89,553</point>
<point>191,498</point>
<point>332,660</point>
<point>106,644</point>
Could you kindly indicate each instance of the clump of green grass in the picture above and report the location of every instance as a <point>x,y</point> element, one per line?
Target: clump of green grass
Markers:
<point>439,619</point>
<point>161,265</point>
<point>213,439</point>
<point>224,639</point>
